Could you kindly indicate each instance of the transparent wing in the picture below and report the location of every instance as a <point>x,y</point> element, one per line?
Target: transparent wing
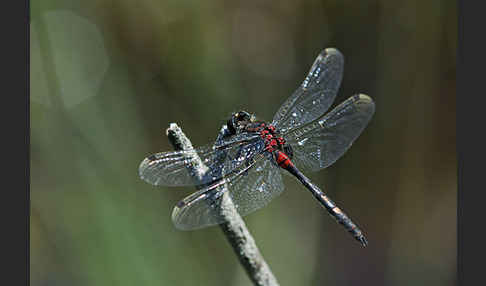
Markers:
<point>250,188</point>
<point>178,168</point>
<point>321,143</point>
<point>315,94</point>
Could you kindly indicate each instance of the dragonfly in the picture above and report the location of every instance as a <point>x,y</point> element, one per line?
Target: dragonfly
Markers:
<point>251,156</point>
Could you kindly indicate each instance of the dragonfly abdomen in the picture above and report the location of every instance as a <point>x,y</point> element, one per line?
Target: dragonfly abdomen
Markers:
<point>283,160</point>
<point>330,206</point>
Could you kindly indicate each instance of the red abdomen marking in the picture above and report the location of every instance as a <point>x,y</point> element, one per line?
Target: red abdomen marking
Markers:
<point>283,160</point>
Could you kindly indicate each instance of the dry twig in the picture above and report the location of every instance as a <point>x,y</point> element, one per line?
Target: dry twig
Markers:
<point>234,227</point>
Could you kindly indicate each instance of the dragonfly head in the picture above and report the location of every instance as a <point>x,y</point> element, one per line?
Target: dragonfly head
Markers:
<point>239,120</point>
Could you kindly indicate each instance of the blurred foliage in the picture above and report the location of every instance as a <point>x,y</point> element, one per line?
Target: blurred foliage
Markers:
<point>108,76</point>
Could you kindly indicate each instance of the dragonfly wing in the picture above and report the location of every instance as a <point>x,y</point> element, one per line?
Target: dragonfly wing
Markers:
<point>250,188</point>
<point>180,168</point>
<point>199,209</point>
<point>316,93</point>
<point>259,186</point>
<point>320,143</point>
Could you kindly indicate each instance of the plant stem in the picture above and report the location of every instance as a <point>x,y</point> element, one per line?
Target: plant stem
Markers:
<point>233,226</point>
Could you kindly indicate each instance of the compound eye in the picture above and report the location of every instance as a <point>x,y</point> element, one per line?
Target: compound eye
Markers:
<point>243,115</point>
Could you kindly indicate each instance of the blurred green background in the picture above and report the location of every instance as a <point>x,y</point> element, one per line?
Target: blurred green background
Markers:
<point>108,76</point>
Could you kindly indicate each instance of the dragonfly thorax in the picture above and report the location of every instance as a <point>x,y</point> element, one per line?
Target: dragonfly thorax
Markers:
<point>270,135</point>
<point>243,121</point>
